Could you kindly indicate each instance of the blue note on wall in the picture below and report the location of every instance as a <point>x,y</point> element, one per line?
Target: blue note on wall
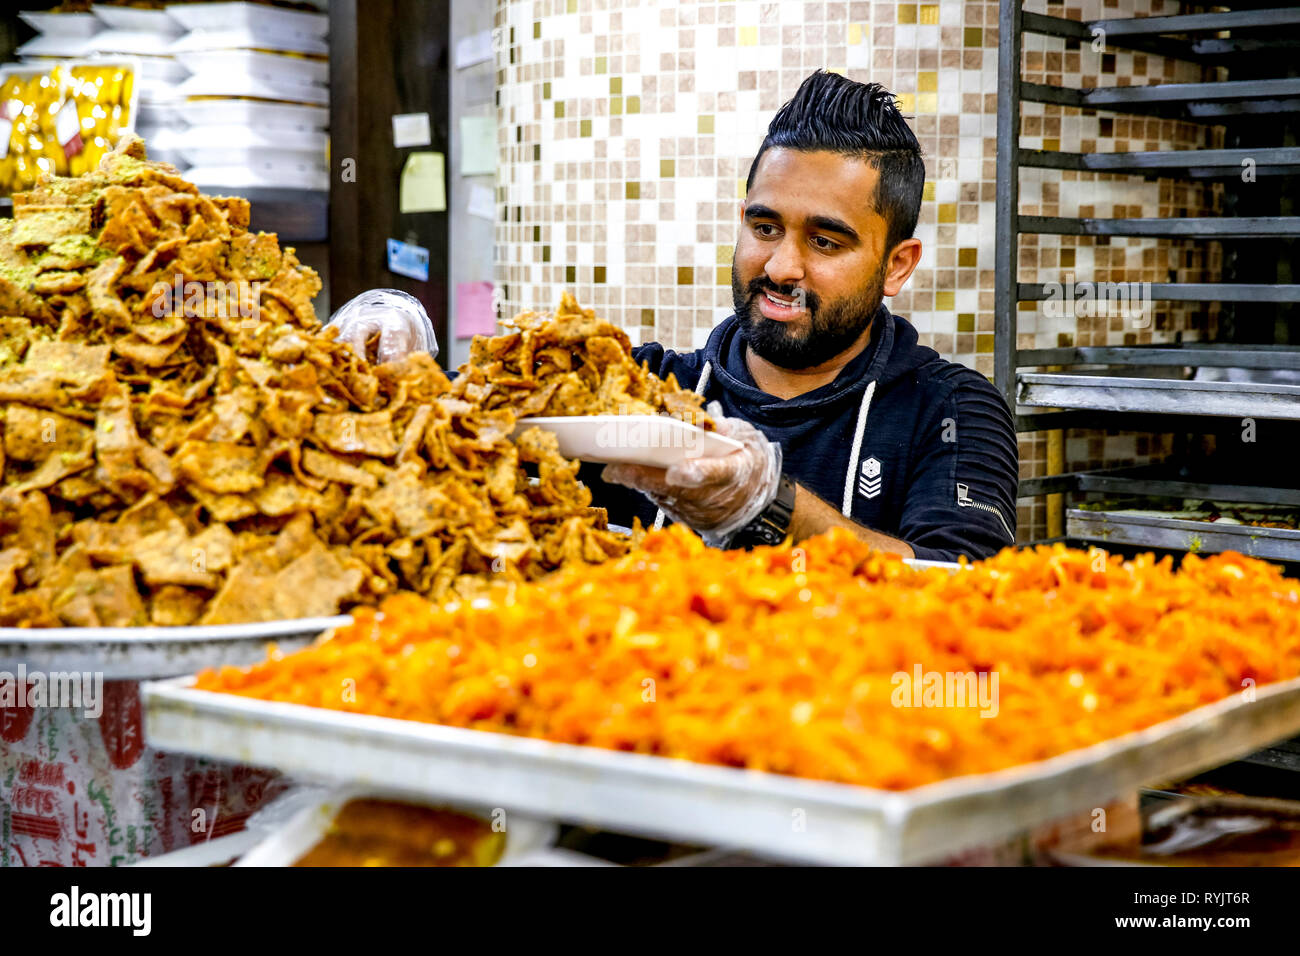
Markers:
<point>408,260</point>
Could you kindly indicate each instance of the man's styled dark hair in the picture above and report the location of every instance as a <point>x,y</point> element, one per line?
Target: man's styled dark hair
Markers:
<point>831,112</point>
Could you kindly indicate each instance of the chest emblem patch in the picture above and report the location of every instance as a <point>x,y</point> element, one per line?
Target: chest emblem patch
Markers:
<point>869,480</point>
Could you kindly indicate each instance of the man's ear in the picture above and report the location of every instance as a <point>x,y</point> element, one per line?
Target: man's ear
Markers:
<point>743,204</point>
<point>903,260</point>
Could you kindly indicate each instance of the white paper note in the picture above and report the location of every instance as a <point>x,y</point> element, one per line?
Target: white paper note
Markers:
<point>478,145</point>
<point>481,203</point>
<point>475,48</point>
<point>411,129</point>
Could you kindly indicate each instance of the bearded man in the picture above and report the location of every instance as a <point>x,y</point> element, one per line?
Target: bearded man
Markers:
<point>844,418</point>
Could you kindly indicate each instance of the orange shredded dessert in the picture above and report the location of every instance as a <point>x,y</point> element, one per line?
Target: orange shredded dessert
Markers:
<point>793,660</point>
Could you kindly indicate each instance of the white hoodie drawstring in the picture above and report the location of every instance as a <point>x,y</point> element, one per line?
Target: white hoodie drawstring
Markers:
<point>858,431</point>
<point>700,386</point>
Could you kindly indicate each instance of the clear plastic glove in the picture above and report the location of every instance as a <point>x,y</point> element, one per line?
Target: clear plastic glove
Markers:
<point>400,320</point>
<point>716,496</point>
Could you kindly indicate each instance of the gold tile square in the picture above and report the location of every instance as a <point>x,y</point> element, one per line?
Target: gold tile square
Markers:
<point>907,102</point>
<point>927,102</point>
<point>927,192</point>
<point>705,124</point>
<point>725,255</point>
<point>724,275</point>
<point>947,212</point>
<point>945,301</point>
<point>748,36</point>
<point>667,167</point>
<point>616,106</point>
<point>584,127</point>
<point>907,13</point>
<point>602,64</point>
<point>634,104</point>
<point>929,14</point>
<point>973,36</point>
<point>559,109</point>
<point>632,190</point>
<point>966,322</point>
<point>685,275</point>
<point>616,84</point>
<point>927,81</point>
<point>967,258</point>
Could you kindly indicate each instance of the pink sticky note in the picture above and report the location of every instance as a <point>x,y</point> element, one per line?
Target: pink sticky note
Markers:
<point>475,313</point>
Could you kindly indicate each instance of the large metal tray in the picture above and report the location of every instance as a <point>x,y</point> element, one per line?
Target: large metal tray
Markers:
<point>148,653</point>
<point>1185,534</point>
<point>1113,393</point>
<point>778,816</point>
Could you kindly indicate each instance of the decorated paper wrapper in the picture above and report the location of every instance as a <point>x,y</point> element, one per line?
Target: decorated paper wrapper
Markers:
<point>87,791</point>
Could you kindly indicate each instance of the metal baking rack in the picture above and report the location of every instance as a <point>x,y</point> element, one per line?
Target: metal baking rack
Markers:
<point>1165,389</point>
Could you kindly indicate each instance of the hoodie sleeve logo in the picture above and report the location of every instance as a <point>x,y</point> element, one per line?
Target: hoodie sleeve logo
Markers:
<point>869,481</point>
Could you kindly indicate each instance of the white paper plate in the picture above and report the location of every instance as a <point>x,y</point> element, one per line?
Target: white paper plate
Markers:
<point>248,40</point>
<point>283,175</point>
<point>656,440</point>
<point>249,16</point>
<point>309,826</point>
<point>273,68</point>
<point>64,24</point>
<point>132,18</point>
<point>240,84</point>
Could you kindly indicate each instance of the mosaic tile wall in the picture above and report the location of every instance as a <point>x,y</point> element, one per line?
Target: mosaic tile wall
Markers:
<point>627,128</point>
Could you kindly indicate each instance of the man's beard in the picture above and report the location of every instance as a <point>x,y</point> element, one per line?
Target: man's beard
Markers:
<point>833,327</point>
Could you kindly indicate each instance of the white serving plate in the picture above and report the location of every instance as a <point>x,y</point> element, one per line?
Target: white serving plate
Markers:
<point>62,24</point>
<point>56,45</point>
<point>240,84</point>
<point>249,16</point>
<point>130,43</point>
<point>310,825</point>
<point>274,68</point>
<point>198,40</point>
<point>241,146</point>
<point>656,440</point>
<point>137,20</point>
<point>284,174</point>
<point>272,118</point>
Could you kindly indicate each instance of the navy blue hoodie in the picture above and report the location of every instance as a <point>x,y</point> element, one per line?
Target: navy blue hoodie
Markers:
<point>936,462</point>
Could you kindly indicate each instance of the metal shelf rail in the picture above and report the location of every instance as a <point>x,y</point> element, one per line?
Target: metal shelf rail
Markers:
<point>1113,387</point>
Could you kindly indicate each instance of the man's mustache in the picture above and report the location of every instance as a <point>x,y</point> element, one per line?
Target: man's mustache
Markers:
<point>763,284</point>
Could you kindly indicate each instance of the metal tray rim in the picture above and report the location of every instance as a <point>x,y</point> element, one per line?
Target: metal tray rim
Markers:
<point>1178,384</point>
<point>847,796</point>
<point>73,636</point>
<point>1184,524</point>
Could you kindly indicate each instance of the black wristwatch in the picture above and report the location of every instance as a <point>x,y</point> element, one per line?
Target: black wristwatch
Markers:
<point>773,523</point>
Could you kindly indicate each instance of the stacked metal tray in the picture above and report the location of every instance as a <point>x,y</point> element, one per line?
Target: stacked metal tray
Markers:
<point>140,653</point>
<point>775,816</point>
<point>1151,530</point>
<point>1115,393</point>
